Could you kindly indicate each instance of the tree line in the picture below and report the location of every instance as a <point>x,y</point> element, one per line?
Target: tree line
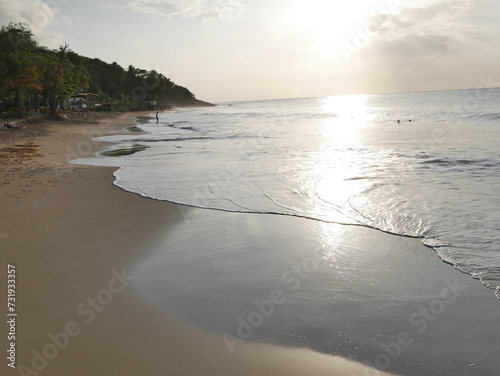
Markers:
<point>33,76</point>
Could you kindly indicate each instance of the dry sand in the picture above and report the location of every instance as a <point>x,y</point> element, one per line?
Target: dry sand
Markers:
<point>74,238</point>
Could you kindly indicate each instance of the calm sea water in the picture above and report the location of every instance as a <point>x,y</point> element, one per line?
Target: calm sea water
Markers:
<point>434,174</point>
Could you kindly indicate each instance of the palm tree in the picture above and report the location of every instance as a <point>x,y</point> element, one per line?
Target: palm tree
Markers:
<point>17,75</point>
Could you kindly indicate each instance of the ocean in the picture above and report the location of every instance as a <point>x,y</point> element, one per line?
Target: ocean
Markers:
<point>422,164</point>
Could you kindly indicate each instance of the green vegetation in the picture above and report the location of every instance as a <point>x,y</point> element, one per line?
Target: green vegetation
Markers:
<point>32,76</point>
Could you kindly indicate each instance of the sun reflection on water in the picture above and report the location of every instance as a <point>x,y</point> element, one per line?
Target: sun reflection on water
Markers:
<point>347,105</point>
<point>337,159</point>
<point>351,115</point>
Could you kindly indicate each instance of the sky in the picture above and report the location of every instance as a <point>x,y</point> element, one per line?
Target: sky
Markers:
<point>235,50</point>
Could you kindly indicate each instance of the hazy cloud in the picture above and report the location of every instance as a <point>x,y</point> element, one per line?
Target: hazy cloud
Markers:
<point>413,45</point>
<point>424,45</point>
<point>36,14</point>
<point>206,10</point>
<point>431,28</point>
<point>435,11</point>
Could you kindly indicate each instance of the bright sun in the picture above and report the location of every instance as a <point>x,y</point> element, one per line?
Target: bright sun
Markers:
<point>327,16</point>
<point>333,21</point>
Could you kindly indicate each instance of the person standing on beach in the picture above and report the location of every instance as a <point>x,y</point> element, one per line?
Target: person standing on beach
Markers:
<point>157,119</point>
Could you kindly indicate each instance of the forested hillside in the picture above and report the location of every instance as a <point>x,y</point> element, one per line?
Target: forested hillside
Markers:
<point>33,76</point>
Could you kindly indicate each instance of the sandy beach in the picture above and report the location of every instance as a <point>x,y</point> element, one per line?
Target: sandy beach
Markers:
<point>90,258</point>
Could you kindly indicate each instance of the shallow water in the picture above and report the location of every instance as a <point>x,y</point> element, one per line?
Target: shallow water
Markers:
<point>341,159</point>
<point>121,149</point>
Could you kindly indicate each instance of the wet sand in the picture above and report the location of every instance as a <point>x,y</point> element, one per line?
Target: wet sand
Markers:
<point>387,301</point>
<point>74,240</point>
<point>108,283</point>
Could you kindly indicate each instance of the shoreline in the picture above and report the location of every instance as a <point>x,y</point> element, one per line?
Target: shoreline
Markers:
<point>76,241</point>
<point>73,238</point>
<point>388,301</point>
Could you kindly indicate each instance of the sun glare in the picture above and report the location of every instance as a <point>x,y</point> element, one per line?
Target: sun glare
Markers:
<point>347,106</point>
<point>333,163</point>
<point>331,20</point>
